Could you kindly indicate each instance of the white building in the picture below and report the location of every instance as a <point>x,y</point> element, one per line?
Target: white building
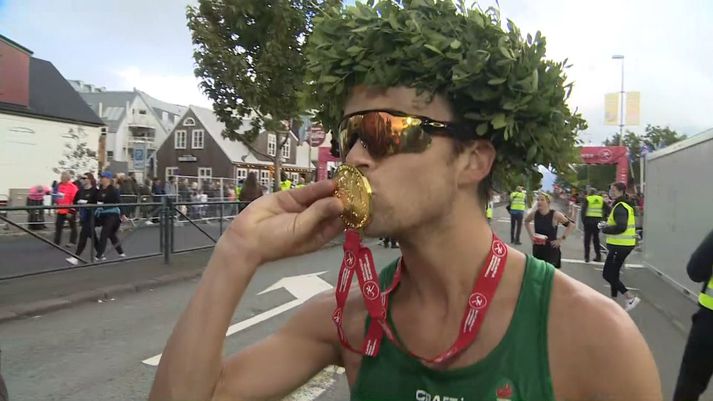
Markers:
<point>137,124</point>
<point>40,114</point>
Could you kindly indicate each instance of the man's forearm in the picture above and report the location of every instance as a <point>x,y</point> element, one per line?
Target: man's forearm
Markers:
<point>192,361</point>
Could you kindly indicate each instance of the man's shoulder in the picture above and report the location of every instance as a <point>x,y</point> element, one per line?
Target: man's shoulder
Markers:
<point>588,329</point>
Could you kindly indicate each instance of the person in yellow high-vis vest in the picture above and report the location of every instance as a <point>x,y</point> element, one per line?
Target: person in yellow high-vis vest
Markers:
<point>593,211</point>
<point>517,211</point>
<point>697,364</point>
<point>620,229</point>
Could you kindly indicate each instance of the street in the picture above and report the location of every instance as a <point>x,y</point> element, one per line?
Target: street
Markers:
<point>108,350</point>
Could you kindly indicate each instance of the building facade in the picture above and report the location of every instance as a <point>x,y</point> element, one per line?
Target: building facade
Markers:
<point>42,120</point>
<point>197,148</point>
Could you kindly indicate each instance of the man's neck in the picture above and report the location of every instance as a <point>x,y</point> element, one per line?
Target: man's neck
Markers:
<point>443,261</point>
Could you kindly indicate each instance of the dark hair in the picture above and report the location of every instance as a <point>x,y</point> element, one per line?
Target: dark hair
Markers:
<point>251,190</point>
<point>620,186</point>
<point>91,179</point>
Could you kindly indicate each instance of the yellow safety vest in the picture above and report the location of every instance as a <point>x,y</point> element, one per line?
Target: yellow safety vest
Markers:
<point>285,185</point>
<point>595,204</point>
<point>517,201</point>
<point>489,211</point>
<point>628,237</point>
<point>705,298</point>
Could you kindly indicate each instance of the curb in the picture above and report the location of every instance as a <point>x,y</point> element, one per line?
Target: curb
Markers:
<point>14,312</point>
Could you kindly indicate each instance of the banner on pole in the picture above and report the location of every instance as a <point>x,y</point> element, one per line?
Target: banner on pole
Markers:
<point>632,108</point>
<point>611,109</point>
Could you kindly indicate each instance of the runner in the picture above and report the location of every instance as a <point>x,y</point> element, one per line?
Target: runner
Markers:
<point>87,195</point>
<point>485,320</point>
<point>546,223</point>
<point>108,217</point>
<point>620,229</point>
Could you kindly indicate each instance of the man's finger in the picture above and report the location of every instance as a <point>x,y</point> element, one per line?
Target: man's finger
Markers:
<point>297,200</point>
<point>317,213</point>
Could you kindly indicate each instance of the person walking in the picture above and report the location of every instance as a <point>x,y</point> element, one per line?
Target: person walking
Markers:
<point>697,364</point>
<point>66,191</point>
<point>249,192</point>
<point>517,210</point>
<point>545,244</point>
<point>620,229</point>
<point>108,217</point>
<point>593,211</point>
<point>87,195</point>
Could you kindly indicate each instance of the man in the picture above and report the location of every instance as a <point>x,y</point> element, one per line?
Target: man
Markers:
<point>541,339</point>
<point>620,228</point>
<point>593,210</point>
<point>66,190</point>
<point>697,365</point>
<point>517,211</point>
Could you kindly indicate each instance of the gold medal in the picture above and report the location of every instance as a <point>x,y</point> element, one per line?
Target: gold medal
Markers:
<point>354,191</point>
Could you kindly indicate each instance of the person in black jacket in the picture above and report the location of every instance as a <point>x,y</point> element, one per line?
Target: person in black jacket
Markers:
<point>618,252</point>
<point>109,217</point>
<point>697,364</point>
<point>87,195</point>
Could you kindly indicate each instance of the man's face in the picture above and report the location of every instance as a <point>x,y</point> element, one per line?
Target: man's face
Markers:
<point>105,181</point>
<point>410,189</point>
<point>613,192</point>
<point>65,177</point>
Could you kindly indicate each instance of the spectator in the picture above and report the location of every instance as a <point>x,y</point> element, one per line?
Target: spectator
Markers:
<point>250,191</point>
<point>66,191</point>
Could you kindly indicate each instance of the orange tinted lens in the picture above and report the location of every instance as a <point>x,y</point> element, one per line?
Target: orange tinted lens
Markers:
<point>383,134</point>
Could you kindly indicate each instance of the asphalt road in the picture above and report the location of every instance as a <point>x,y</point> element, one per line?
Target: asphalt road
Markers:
<point>95,351</point>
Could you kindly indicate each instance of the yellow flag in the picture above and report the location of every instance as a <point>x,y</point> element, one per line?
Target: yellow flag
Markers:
<point>632,108</point>
<point>611,109</point>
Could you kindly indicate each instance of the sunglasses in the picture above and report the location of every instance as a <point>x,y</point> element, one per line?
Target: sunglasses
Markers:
<point>388,132</point>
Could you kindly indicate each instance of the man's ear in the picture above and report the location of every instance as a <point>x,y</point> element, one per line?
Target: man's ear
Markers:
<point>481,156</point>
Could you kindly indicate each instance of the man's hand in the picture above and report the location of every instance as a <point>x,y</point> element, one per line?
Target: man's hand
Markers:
<point>286,223</point>
<point>601,224</point>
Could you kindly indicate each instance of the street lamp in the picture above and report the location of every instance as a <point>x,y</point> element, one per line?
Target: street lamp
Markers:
<point>621,98</point>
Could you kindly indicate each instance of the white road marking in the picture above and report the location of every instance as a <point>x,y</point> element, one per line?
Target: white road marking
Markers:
<point>302,287</point>
<point>627,265</point>
<point>317,385</point>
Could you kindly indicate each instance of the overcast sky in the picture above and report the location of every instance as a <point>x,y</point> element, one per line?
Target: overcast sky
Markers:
<point>122,44</point>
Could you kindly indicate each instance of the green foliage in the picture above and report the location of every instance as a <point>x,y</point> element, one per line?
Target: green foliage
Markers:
<point>250,60</point>
<point>497,81</point>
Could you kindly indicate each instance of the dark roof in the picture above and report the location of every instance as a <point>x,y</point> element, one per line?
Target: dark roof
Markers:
<point>52,97</point>
<point>113,105</point>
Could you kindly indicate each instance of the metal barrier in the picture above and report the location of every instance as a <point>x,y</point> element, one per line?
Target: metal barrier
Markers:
<point>168,215</point>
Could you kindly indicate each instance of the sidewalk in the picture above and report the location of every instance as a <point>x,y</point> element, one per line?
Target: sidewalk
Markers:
<point>33,295</point>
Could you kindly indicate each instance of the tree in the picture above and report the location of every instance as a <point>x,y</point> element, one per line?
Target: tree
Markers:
<point>78,157</point>
<point>250,62</point>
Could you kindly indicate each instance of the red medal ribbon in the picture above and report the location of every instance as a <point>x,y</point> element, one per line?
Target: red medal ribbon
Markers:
<point>359,258</point>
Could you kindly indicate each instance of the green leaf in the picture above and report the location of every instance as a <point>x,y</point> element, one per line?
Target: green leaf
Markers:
<point>531,153</point>
<point>455,44</point>
<point>328,79</point>
<point>354,50</point>
<point>433,48</point>
<point>498,121</point>
<point>496,81</point>
<point>482,129</point>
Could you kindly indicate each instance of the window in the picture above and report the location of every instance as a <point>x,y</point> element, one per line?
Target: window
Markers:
<point>171,172</point>
<point>285,151</point>
<point>271,145</point>
<point>205,173</point>
<point>295,178</point>
<point>241,174</point>
<point>142,112</point>
<point>110,154</point>
<point>180,140</point>
<point>197,139</point>
<point>189,122</point>
<point>265,179</point>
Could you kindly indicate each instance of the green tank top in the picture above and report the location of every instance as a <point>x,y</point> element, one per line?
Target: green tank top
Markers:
<point>517,369</point>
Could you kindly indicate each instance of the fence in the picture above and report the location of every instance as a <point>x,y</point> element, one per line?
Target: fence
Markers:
<point>179,226</point>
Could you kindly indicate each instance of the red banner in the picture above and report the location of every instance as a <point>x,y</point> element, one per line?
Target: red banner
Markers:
<point>324,156</point>
<point>618,155</point>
